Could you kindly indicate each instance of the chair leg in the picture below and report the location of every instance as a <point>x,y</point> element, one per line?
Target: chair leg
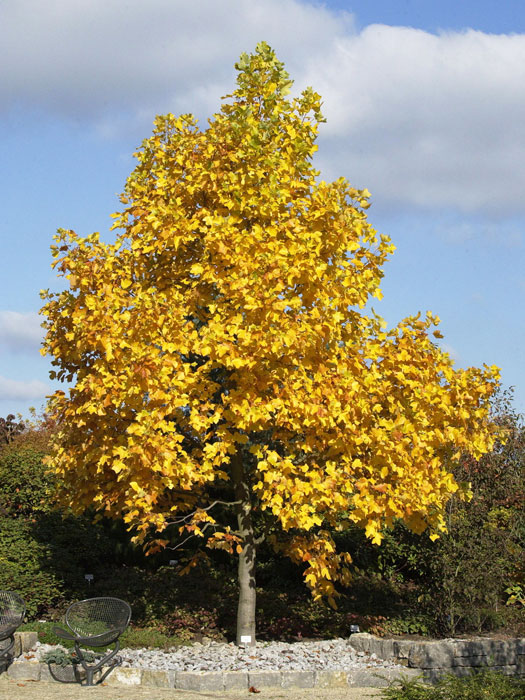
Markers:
<point>91,670</point>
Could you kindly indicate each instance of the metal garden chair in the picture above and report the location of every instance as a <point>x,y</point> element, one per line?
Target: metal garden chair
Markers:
<point>12,612</point>
<point>96,622</point>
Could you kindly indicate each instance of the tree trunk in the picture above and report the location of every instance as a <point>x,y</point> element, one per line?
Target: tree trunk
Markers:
<point>246,606</point>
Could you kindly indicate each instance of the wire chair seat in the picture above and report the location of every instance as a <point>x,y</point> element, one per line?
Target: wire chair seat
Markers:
<point>96,622</point>
<point>12,613</point>
<point>96,640</point>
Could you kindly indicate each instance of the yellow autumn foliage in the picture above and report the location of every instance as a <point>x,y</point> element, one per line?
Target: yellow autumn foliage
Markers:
<point>227,319</point>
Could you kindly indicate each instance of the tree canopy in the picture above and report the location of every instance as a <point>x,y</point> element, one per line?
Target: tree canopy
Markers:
<point>220,344</point>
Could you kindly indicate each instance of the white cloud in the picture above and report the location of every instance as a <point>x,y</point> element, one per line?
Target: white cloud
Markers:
<point>428,120</point>
<point>94,59</point>
<point>20,331</point>
<point>423,120</point>
<point>13,390</point>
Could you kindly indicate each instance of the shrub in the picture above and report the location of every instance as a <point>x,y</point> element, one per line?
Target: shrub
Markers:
<point>45,559</point>
<point>45,633</point>
<point>187,624</point>
<point>25,488</point>
<point>486,685</point>
<point>149,638</point>
<point>410,623</point>
<point>469,569</point>
<point>484,550</point>
<point>22,567</point>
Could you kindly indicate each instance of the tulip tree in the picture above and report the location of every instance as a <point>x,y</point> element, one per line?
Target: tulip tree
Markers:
<point>218,357</point>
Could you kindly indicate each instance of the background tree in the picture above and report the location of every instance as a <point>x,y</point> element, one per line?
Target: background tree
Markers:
<point>9,429</point>
<point>472,577</point>
<point>219,359</point>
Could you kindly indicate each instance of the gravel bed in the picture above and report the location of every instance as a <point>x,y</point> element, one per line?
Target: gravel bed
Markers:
<point>326,655</point>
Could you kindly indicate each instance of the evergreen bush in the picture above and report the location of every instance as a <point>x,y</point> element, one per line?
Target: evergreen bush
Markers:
<point>485,685</point>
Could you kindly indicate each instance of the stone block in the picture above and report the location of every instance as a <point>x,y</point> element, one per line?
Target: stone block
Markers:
<point>125,676</point>
<point>158,679</point>
<point>380,678</point>
<point>483,652</point>
<point>17,648</point>
<point>397,674</point>
<point>361,678</point>
<point>361,641</point>
<point>24,671</point>
<point>385,649</point>
<point>502,658</point>
<point>500,652</point>
<point>471,647</point>
<point>24,641</point>
<point>193,680</point>
<point>505,670</point>
<point>473,661</point>
<point>235,680</point>
<point>45,674</point>
<point>432,675</point>
<point>401,649</point>
<point>331,679</point>
<point>431,655</point>
<point>298,679</point>
<point>264,679</point>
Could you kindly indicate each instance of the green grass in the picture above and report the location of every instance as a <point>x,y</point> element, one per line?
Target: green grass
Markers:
<point>487,685</point>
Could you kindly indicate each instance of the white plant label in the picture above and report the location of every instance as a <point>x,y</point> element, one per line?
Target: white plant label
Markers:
<point>246,639</point>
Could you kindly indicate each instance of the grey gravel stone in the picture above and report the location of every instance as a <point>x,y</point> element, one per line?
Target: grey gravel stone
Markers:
<point>314,656</point>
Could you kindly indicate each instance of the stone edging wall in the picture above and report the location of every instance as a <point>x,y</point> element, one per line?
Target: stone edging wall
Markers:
<point>221,681</point>
<point>432,659</point>
<point>26,668</point>
<point>458,656</point>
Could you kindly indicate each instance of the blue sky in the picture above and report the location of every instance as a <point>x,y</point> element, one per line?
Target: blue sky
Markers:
<point>425,106</point>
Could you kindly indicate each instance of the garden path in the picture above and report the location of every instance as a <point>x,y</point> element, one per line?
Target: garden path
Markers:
<point>28,690</point>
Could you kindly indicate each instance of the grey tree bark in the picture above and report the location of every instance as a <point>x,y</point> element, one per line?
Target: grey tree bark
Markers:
<point>246,570</point>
